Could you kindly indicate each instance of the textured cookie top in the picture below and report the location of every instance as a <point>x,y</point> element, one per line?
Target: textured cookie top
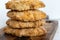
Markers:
<point>24,5</point>
<point>20,24</point>
<point>24,0</point>
<point>25,32</point>
<point>30,15</point>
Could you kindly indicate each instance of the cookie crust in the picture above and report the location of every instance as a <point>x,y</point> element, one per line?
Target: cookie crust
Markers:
<point>25,32</point>
<point>24,5</point>
<point>20,24</point>
<point>30,15</point>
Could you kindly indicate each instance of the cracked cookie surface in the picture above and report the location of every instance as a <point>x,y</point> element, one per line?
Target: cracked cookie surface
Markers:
<point>30,15</point>
<point>25,32</point>
<point>20,24</point>
<point>24,5</point>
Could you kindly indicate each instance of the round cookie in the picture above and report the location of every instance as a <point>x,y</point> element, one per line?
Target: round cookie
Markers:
<point>25,32</point>
<point>24,5</point>
<point>20,24</point>
<point>30,15</point>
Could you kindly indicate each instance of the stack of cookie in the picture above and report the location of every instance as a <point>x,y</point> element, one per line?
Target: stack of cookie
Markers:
<point>25,18</point>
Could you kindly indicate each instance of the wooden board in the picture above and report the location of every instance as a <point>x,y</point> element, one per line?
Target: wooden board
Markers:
<point>51,27</point>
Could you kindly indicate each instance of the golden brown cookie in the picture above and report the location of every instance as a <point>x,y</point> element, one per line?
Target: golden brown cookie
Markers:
<point>20,24</point>
<point>24,5</point>
<point>25,32</point>
<point>25,0</point>
<point>30,15</point>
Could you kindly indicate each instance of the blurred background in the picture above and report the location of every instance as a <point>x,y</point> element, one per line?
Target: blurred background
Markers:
<point>52,9</point>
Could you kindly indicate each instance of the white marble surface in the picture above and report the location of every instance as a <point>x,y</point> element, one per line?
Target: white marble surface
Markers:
<point>52,9</point>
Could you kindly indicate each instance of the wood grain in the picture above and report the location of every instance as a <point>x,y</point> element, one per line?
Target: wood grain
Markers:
<point>51,27</point>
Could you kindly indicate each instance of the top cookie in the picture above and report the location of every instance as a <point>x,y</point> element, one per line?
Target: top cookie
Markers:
<point>25,0</point>
<point>24,5</point>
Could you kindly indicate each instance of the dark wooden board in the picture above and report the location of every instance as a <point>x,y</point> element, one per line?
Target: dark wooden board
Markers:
<point>51,27</point>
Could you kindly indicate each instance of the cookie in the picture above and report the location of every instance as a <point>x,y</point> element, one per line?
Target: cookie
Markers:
<point>25,32</point>
<point>25,0</point>
<point>20,24</point>
<point>30,15</point>
<point>24,5</point>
